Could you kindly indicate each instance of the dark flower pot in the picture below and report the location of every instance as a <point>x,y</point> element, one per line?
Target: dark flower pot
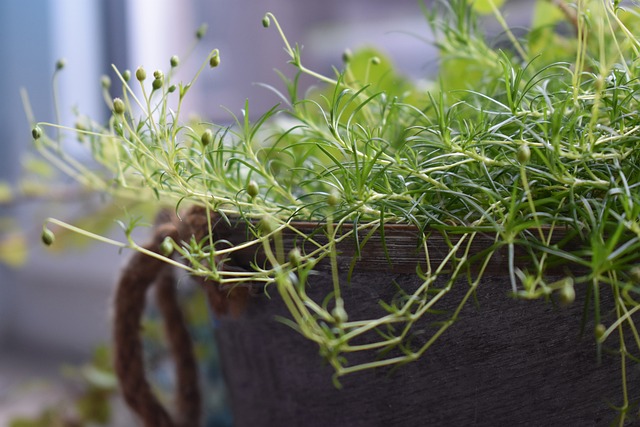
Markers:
<point>504,362</point>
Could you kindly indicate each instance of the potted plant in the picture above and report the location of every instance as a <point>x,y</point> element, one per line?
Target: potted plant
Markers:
<point>384,223</point>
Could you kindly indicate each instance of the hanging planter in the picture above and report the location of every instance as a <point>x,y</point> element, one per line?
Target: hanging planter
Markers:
<point>462,255</point>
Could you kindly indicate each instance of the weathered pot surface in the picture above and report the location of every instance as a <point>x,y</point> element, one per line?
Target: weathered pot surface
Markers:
<point>504,362</point>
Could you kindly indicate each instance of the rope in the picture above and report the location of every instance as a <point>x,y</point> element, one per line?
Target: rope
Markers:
<point>188,400</point>
<point>141,272</point>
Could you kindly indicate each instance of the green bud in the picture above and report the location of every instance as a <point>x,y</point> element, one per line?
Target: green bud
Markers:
<point>47,236</point>
<point>567,293</point>
<point>375,60</point>
<point>333,198</point>
<point>118,106</point>
<point>207,137</point>
<point>126,76</point>
<point>174,61</point>
<point>266,21</point>
<point>105,81</point>
<point>339,314</point>
<point>60,64</point>
<point>166,247</point>
<point>214,61</point>
<point>599,331</point>
<point>36,132</point>
<point>141,74</point>
<point>347,55</point>
<point>295,257</point>
<point>524,153</point>
<point>157,74</point>
<point>172,89</point>
<point>202,30</point>
<point>157,83</point>
<point>252,189</point>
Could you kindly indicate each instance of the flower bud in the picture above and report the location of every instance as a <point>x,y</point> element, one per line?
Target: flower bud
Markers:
<point>339,314</point>
<point>174,61</point>
<point>47,236</point>
<point>567,293</point>
<point>524,153</point>
<point>347,55</point>
<point>172,89</point>
<point>252,189</point>
<point>126,76</point>
<point>157,74</point>
<point>105,82</point>
<point>214,61</point>
<point>166,247</point>
<point>36,132</point>
<point>599,331</point>
<point>141,74</point>
<point>207,137</point>
<point>202,30</point>
<point>375,60</point>
<point>295,257</point>
<point>60,64</point>
<point>157,83</point>
<point>118,106</point>
<point>333,198</point>
<point>266,21</point>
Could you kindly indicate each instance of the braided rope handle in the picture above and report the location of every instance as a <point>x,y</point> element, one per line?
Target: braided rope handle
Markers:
<point>141,272</point>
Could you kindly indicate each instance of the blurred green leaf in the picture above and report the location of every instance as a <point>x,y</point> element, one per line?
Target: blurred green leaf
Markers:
<point>35,166</point>
<point>6,193</point>
<point>630,17</point>
<point>99,378</point>
<point>102,358</point>
<point>31,187</point>
<point>459,73</point>
<point>547,46</point>
<point>380,75</point>
<point>545,14</point>
<point>13,250</point>
<point>94,407</point>
<point>484,6</point>
<point>197,309</point>
<point>48,418</point>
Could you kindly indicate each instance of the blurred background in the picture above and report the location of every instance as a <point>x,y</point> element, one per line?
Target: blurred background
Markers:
<point>54,304</point>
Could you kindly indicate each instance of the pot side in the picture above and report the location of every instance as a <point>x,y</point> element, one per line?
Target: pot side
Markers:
<point>503,362</point>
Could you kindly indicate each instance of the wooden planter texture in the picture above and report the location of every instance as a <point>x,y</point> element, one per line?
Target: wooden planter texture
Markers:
<point>505,362</point>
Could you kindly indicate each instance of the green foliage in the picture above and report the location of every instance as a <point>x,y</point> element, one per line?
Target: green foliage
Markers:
<point>13,248</point>
<point>6,192</point>
<point>546,15</point>
<point>486,6</point>
<point>91,406</point>
<point>524,144</point>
